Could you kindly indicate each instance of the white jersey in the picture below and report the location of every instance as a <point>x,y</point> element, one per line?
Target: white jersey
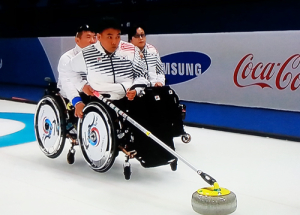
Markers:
<point>111,74</point>
<point>154,65</point>
<point>70,82</point>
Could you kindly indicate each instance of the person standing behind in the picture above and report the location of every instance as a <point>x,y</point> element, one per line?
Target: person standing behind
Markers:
<point>72,84</point>
<point>149,55</point>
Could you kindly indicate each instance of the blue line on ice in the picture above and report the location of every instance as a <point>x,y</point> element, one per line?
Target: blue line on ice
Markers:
<point>22,136</point>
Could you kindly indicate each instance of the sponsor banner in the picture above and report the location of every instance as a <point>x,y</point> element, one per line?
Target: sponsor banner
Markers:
<point>54,48</point>
<point>23,62</point>
<point>183,66</point>
<point>250,69</point>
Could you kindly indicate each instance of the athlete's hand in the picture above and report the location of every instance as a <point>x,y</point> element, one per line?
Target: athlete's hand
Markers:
<point>130,94</point>
<point>78,109</point>
<point>158,84</point>
<point>88,90</point>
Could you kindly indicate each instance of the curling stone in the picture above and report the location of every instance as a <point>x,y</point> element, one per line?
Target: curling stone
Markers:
<point>214,201</point>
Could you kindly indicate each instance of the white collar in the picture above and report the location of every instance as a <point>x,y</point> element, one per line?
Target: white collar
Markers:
<point>77,49</point>
<point>144,49</point>
<point>99,47</point>
<point>102,50</point>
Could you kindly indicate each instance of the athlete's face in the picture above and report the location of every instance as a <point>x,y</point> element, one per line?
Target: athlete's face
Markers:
<point>86,38</point>
<point>110,39</point>
<point>139,39</point>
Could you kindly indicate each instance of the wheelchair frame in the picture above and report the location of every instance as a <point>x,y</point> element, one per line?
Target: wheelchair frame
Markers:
<point>75,135</point>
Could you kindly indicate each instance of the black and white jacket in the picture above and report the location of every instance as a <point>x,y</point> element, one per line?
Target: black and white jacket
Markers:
<point>111,74</point>
<point>154,65</point>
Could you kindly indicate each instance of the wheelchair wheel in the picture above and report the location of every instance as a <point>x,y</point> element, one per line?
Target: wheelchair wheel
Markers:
<point>97,137</point>
<point>50,126</point>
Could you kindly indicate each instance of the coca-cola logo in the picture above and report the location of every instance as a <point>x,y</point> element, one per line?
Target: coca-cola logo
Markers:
<point>268,75</point>
<point>183,66</point>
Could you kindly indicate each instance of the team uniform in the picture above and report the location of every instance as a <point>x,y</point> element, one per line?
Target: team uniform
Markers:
<point>111,74</point>
<point>154,65</point>
<point>70,83</point>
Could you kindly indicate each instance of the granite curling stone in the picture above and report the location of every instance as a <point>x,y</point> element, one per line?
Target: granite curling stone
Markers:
<point>214,201</point>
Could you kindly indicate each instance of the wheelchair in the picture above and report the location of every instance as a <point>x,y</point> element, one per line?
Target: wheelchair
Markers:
<point>101,134</point>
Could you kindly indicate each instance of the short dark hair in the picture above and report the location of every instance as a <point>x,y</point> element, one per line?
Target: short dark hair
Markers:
<point>108,22</point>
<point>82,28</point>
<point>132,30</point>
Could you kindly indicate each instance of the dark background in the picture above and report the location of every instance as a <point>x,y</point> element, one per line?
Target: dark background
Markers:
<point>45,18</point>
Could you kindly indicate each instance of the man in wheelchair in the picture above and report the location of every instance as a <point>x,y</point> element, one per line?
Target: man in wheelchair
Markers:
<point>112,67</point>
<point>73,86</point>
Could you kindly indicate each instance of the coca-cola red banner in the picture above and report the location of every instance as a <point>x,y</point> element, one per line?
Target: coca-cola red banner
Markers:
<point>250,69</point>
<point>273,75</point>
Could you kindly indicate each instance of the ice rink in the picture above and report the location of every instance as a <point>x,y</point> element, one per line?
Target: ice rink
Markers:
<point>264,173</point>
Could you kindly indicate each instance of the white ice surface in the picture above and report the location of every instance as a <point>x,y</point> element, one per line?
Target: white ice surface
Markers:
<point>264,173</point>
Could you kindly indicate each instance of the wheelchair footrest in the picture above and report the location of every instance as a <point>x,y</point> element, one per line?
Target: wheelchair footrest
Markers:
<point>73,138</point>
<point>130,154</point>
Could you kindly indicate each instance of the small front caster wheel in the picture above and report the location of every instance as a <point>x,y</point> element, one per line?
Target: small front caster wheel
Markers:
<point>186,138</point>
<point>127,172</point>
<point>173,165</point>
<point>71,156</point>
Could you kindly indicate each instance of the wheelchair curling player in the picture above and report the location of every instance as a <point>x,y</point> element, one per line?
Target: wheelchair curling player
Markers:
<point>115,70</point>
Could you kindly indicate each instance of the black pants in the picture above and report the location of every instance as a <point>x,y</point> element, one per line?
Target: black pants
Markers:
<point>156,111</point>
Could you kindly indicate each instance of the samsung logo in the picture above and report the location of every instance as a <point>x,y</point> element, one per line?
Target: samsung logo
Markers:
<point>182,69</point>
<point>0,63</point>
<point>183,66</point>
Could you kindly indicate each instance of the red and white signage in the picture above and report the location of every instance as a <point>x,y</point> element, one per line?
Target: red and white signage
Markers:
<point>250,69</point>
